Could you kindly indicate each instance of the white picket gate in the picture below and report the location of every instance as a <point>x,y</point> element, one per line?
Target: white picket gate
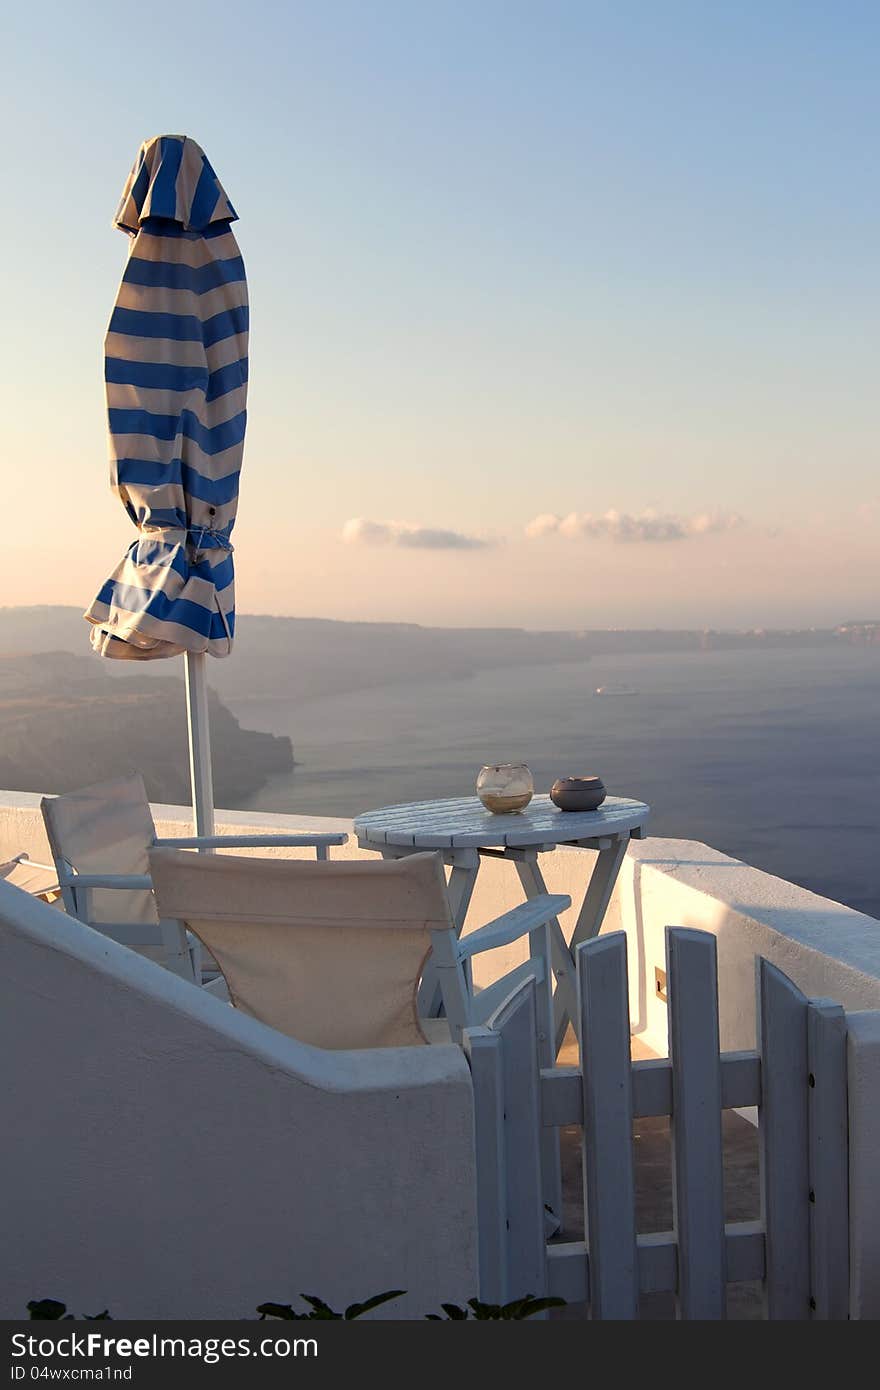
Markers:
<point>797,1079</point>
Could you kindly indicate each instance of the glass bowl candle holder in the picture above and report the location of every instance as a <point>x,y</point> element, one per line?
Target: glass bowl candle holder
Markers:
<point>505,787</point>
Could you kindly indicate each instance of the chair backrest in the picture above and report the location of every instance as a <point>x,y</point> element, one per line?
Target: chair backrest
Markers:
<point>327,952</point>
<point>105,829</point>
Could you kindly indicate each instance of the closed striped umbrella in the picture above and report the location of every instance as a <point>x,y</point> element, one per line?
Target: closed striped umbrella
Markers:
<point>176,376</point>
<point>176,371</point>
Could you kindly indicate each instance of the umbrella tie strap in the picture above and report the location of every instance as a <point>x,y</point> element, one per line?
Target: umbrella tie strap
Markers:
<point>207,538</point>
<point>198,537</point>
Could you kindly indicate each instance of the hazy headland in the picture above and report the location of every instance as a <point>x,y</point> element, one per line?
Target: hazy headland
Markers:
<point>64,724</point>
<point>302,658</point>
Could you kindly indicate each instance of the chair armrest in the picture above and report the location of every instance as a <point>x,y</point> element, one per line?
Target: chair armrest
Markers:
<point>126,881</point>
<point>519,922</point>
<point>24,858</point>
<point>251,841</point>
<point>218,988</point>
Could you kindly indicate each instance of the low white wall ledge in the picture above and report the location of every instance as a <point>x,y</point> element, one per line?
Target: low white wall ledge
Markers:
<point>827,949</point>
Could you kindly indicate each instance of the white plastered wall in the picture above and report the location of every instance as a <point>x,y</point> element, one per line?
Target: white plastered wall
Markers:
<point>169,1157</point>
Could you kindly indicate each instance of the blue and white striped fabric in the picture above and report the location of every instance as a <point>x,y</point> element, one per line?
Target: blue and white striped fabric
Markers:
<point>176,371</point>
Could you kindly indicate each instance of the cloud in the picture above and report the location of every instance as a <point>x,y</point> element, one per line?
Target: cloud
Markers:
<point>649,526</point>
<point>709,523</point>
<point>360,531</point>
<point>543,525</point>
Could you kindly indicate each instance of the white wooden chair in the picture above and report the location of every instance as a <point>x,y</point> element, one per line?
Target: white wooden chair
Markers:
<point>331,953</point>
<point>100,838</point>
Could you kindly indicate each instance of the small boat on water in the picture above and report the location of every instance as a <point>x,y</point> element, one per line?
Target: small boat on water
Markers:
<point>615,690</point>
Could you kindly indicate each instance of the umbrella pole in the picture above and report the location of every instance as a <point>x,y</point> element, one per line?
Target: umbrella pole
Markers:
<point>199,742</point>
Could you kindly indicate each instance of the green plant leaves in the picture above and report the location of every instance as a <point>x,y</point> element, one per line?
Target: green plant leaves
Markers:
<point>47,1309</point>
<point>356,1309</point>
<point>50,1309</point>
<point>322,1310</point>
<point>484,1312</point>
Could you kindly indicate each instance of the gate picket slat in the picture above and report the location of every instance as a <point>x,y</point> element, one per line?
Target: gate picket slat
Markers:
<point>516,1024</point>
<point>483,1050</point>
<point>783,1132</point>
<point>609,1185</point>
<point>828,1149</point>
<point>697,1155</point>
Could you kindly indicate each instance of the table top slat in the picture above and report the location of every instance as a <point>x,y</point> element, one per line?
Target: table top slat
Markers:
<point>463,822</point>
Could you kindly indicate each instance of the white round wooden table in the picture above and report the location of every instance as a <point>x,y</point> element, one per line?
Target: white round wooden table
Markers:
<point>465,833</point>
<point>463,822</point>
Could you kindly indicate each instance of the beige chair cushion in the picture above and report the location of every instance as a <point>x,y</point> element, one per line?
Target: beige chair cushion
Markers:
<point>327,952</point>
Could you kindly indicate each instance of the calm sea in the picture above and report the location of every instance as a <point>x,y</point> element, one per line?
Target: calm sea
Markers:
<point>770,756</point>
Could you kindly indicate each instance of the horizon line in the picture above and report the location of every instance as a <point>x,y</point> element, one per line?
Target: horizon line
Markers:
<point>754,630</point>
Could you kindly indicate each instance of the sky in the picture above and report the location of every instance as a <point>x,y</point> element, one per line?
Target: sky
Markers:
<point>563,312</point>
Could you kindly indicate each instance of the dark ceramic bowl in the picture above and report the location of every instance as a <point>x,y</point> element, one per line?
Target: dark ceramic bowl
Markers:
<point>578,793</point>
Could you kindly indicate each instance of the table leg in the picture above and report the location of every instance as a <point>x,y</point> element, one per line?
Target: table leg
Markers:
<point>599,890</point>
<point>465,866</point>
<point>588,925</point>
<point>533,885</point>
<point>565,998</point>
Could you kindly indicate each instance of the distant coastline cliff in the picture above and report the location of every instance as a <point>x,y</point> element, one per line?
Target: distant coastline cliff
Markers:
<point>298,659</point>
<point>65,723</point>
